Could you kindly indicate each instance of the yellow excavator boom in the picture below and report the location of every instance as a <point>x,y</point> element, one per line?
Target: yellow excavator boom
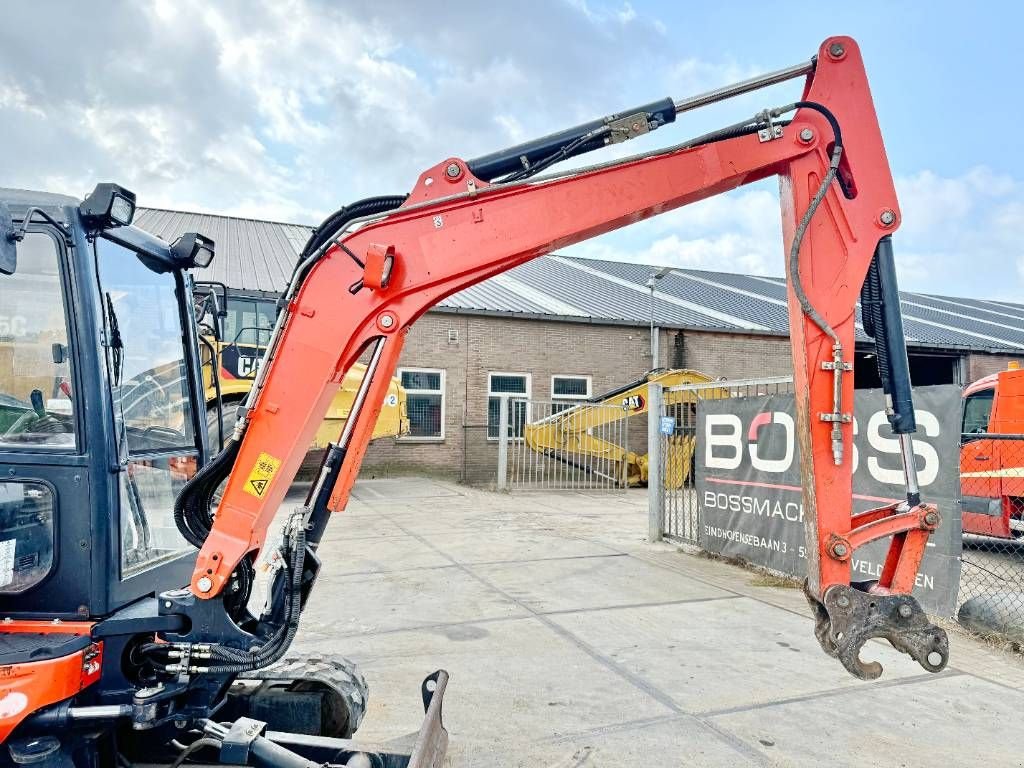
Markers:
<point>571,431</point>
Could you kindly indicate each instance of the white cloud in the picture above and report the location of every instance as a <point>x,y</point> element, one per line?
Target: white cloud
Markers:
<point>287,109</point>
<point>736,232</point>
<point>968,226</point>
<point>327,102</point>
<point>961,235</point>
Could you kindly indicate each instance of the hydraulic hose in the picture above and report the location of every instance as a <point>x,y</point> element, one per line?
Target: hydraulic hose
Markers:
<point>793,264</point>
<point>337,220</point>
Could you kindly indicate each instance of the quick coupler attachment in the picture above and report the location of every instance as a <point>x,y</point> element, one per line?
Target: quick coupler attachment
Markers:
<point>849,616</point>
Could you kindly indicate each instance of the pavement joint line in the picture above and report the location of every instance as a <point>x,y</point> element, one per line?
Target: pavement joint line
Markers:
<point>533,616</point>
<point>651,604</point>
<point>660,563</point>
<point>638,682</point>
<point>834,692</point>
<point>486,562</point>
<point>637,725</point>
<point>442,625</point>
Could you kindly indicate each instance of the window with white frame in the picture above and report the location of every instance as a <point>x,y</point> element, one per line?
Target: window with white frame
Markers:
<point>567,387</point>
<point>424,402</point>
<point>516,386</point>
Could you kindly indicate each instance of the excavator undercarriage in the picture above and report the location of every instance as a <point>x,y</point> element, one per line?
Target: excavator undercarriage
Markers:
<point>107,659</point>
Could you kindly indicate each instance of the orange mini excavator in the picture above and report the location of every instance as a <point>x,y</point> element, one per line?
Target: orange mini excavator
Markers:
<point>93,672</point>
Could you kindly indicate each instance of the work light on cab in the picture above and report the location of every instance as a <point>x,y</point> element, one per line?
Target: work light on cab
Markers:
<point>109,205</point>
<point>193,251</point>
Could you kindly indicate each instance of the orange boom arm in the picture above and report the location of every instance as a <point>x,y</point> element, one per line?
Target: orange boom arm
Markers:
<point>454,230</point>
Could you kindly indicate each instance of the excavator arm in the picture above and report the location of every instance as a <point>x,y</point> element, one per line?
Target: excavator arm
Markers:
<point>379,265</point>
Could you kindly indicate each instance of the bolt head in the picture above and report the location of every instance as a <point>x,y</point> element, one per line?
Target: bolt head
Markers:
<point>806,134</point>
<point>906,611</point>
<point>887,217</point>
<point>836,50</point>
<point>386,321</point>
<point>839,550</point>
<point>453,170</point>
<point>843,601</point>
<point>205,584</point>
<point>932,518</point>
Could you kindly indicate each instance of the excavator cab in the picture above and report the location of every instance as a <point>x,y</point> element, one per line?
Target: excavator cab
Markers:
<point>101,420</point>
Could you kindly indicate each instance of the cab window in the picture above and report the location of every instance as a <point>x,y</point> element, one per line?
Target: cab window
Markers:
<point>977,410</point>
<point>249,321</point>
<point>37,402</point>
<point>146,352</point>
<point>153,410</point>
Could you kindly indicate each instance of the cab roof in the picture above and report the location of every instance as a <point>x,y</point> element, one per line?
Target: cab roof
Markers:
<point>24,198</point>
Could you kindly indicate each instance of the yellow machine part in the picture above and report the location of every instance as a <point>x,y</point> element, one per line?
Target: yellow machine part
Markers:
<point>238,370</point>
<point>570,431</point>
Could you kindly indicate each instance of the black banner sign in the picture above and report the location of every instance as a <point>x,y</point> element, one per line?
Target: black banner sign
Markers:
<point>748,483</point>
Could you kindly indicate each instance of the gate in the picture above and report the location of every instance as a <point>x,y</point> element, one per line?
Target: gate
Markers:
<point>551,445</point>
<point>673,504</point>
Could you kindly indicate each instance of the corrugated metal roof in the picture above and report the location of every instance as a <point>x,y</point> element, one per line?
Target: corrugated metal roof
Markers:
<point>252,255</point>
<point>255,255</point>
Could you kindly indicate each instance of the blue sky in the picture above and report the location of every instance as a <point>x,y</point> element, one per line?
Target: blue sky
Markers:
<point>286,109</point>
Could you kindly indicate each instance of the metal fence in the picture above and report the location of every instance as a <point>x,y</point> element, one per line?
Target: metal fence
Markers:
<point>675,512</point>
<point>546,445</point>
<point>991,599</point>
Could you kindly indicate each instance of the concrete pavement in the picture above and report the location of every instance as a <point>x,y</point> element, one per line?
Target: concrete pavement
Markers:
<point>572,642</point>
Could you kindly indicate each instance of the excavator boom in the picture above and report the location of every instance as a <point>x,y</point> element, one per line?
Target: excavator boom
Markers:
<point>377,266</point>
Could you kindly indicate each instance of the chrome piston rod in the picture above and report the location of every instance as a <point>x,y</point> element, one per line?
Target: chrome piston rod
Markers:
<point>744,86</point>
<point>910,469</point>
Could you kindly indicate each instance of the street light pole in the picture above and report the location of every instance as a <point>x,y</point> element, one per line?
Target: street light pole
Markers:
<point>652,281</point>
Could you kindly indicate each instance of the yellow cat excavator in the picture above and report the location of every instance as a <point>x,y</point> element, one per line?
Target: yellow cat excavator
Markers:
<point>569,435</point>
<point>227,385</point>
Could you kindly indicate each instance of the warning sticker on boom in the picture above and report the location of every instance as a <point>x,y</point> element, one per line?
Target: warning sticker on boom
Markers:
<point>261,475</point>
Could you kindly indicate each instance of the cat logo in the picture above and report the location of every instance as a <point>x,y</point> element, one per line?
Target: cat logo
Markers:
<point>635,403</point>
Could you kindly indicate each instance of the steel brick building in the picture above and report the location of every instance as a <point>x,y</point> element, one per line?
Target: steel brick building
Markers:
<point>564,328</point>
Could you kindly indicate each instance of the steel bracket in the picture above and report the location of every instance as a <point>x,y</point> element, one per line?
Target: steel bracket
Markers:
<point>828,365</point>
<point>628,127</point>
<point>768,131</point>
<point>234,749</point>
<point>842,418</point>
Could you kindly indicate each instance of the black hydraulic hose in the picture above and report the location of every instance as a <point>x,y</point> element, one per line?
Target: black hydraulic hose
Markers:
<point>238,661</point>
<point>192,507</point>
<point>825,112</point>
<point>330,226</point>
<point>872,319</point>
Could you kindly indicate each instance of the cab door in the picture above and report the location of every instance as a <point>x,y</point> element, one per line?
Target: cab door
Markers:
<point>979,469</point>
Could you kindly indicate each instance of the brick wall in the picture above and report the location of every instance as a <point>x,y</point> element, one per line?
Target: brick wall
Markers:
<point>980,364</point>
<point>610,355</point>
<point>729,355</point>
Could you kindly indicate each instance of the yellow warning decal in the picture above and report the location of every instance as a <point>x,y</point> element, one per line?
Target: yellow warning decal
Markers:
<point>261,475</point>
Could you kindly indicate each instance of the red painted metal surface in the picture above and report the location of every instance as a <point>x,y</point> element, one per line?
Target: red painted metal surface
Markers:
<point>27,688</point>
<point>454,242</point>
<point>994,469</point>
